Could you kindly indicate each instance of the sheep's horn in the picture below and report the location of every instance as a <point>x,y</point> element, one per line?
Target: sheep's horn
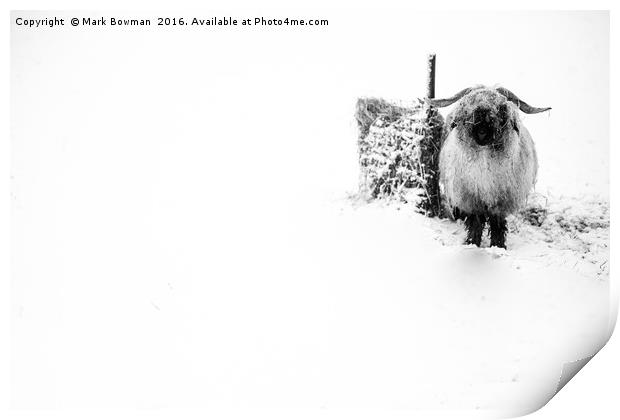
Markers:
<point>440,103</point>
<point>523,106</point>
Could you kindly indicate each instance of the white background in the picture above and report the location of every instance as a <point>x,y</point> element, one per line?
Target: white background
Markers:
<point>260,96</point>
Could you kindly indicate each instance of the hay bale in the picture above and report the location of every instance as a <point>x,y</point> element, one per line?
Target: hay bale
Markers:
<point>399,151</point>
<point>369,109</point>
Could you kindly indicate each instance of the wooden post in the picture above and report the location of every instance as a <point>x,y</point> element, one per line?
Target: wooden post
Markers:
<point>430,87</point>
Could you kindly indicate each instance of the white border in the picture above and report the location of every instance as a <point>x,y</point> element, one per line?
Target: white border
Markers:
<point>592,393</point>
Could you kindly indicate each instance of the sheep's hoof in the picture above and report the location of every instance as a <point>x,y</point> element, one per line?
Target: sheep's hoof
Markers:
<point>472,241</point>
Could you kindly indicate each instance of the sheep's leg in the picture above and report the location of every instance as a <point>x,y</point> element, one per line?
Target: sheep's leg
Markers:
<point>498,228</point>
<point>475,225</point>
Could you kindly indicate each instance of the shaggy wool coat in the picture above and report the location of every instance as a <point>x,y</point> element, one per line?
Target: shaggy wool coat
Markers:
<point>485,179</point>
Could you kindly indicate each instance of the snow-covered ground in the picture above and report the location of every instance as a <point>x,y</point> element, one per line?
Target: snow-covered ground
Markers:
<point>573,233</point>
<point>459,326</point>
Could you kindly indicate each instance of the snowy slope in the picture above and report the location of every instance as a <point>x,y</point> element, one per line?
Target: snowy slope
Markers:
<point>183,234</point>
<point>457,326</point>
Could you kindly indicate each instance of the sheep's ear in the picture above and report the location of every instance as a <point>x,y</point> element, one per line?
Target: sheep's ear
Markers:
<point>515,126</point>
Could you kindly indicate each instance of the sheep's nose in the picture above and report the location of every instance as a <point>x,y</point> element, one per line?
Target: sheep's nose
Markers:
<point>483,126</point>
<point>481,134</point>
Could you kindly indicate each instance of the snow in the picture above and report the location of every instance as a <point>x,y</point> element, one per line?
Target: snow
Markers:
<point>182,235</point>
<point>478,327</point>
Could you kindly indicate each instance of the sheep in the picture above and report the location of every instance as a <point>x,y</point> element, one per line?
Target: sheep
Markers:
<point>487,161</point>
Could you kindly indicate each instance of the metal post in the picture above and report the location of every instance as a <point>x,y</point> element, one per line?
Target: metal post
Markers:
<point>430,87</point>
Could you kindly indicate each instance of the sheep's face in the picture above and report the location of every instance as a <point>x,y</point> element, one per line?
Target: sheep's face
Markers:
<point>484,118</point>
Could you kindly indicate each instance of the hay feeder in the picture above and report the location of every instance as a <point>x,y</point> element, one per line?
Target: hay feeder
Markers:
<point>399,150</point>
